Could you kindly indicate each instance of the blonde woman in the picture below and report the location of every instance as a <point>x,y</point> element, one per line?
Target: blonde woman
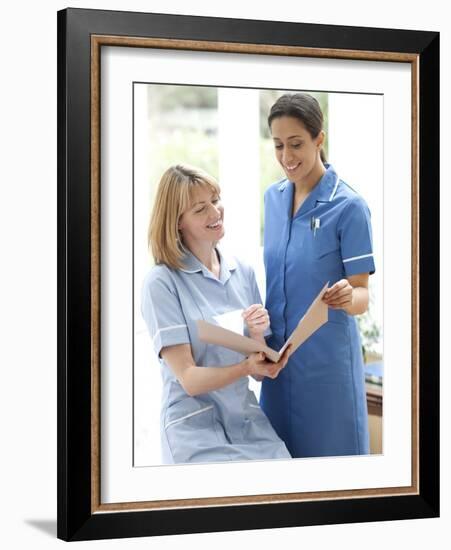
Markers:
<point>208,412</point>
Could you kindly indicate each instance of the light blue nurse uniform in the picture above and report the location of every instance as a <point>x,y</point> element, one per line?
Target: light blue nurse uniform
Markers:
<point>317,404</point>
<point>226,424</point>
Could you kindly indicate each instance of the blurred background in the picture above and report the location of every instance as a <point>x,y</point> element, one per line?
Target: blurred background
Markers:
<point>224,132</point>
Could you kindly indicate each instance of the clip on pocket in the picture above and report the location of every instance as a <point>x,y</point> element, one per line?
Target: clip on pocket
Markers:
<point>315,223</point>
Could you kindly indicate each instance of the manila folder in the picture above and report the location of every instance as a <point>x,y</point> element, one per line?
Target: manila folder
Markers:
<point>315,316</point>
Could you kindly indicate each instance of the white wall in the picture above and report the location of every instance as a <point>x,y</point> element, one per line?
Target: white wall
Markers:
<point>239,165</point>
<point>356,151</point>
<point>28,274</point>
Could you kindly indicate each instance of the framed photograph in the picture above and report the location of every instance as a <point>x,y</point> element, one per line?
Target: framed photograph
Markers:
<point>140,94</point>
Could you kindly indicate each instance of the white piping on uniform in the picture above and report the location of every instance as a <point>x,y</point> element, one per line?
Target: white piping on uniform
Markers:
<point>332,195</point>
<point>167,328</point>
<point>357,257</point>
<point>177,420</point>
<point>254,406</point>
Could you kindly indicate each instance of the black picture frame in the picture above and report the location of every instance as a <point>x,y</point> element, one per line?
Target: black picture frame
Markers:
<point>79,516</point>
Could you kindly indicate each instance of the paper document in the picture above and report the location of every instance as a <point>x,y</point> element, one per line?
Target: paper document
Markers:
<point>232,320</point>
<point>315,316</point>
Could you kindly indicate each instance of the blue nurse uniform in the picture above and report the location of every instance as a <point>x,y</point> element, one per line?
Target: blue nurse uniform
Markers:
<point>222,425</point>
<point>317,404</point>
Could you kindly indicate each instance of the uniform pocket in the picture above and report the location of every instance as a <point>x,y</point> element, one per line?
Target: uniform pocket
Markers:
<point>256,426</point>
<point>190,427</point>
<point>254,413</point>
<point>327,254</point>
<point>325,244</point>
<point>175,417</point>
<point>326,356</point>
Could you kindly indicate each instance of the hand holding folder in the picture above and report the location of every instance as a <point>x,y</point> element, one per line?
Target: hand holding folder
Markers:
<point>315,316</point>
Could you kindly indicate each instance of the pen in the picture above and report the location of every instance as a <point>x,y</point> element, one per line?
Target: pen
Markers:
<point>315,224</point>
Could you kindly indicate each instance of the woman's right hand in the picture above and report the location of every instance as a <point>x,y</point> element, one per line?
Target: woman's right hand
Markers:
<point>259,366</point>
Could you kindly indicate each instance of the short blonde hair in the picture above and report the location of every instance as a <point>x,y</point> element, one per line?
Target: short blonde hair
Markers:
<point>174,196</point>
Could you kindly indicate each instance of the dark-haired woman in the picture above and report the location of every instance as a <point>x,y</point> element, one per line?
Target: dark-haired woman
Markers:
<point>317,229</point>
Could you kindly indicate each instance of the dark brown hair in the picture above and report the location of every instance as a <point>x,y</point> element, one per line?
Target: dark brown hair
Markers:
<point>303,107</point>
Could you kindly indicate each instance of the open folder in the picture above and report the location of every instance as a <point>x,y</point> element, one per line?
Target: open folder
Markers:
<point>315,317</point>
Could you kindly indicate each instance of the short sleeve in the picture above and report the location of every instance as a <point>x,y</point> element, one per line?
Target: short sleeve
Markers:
<point>354,230</point>
<point>256,296</point>
<point>162,312</point>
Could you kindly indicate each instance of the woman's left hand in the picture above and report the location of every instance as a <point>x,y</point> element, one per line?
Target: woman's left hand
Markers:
<point>257,319</point>
<point>339,295</point>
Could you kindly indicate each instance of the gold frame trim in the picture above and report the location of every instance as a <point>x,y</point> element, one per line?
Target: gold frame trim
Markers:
<point>97,41</point>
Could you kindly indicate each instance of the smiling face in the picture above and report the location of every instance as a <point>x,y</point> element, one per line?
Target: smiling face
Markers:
<point>297,152</point>
<point>202,222</point>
